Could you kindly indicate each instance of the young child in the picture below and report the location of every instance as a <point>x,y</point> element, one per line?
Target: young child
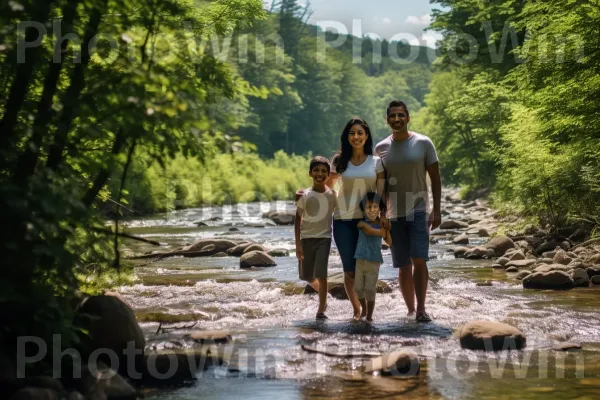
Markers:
<point>368,253</point>
<point>312,230</point>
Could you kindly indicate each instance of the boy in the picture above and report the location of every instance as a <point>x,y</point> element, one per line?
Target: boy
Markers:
<point>368,253</point>
<point>312,230</point>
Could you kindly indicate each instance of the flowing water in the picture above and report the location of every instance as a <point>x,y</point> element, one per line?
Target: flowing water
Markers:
<point>270,319</point>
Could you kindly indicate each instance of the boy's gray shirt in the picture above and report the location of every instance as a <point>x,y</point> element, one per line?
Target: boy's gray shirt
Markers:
<point>405,163</point>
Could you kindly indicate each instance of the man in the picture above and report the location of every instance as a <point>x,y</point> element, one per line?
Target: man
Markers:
<point>407,158</point>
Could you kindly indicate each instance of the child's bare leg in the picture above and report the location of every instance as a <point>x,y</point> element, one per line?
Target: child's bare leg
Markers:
<point>370,308</point>
<point>363,306</point>
<point>322,284</point>
<point>314,284</point>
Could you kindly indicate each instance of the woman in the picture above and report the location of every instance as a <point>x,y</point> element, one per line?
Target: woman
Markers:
<point>360,172</point>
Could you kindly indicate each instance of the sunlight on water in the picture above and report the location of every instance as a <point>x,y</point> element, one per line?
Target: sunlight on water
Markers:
<point>267,314</point>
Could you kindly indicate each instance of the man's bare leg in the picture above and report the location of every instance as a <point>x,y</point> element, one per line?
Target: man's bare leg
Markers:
<point>407,287</point>
<point>421,280</point>
<point>322,283</point>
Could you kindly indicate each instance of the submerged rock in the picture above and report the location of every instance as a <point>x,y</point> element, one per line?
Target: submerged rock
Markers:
<point>279,253</point>
<point>490,336</point>
<point>397,363</point>
<point>220,245</point>
<point>211,336</point>
<point>335,287</point>
<point>566,346</point>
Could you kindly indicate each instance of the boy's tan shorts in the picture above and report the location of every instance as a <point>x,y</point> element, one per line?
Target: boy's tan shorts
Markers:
<point>316,258</point>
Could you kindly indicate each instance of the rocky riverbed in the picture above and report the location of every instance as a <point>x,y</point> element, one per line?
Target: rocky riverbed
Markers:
<point>514,317</point>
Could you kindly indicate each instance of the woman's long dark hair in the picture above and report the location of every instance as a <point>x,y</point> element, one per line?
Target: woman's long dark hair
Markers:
<point>341,159</point>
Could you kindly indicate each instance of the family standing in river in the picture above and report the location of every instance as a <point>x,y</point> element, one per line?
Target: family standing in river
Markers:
<point>381,196</point>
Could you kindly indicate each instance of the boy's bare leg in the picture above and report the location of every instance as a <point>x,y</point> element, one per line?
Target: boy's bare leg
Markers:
<point>349,286</point>
<point>314,284</point>
<point>322,283</point>
<point>407,287</point>
<point>363,305</point>
<point>370,308</point>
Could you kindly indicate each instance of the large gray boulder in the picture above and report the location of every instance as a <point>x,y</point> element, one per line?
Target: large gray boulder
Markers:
<point>500,244</point>
<point>256,259</point>
<point>110,324</point>
<point>548,280</point>
<point>490,336</point>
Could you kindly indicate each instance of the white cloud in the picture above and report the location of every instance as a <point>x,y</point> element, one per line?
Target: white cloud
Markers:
<point>423,20</point>
<point>387,21</point>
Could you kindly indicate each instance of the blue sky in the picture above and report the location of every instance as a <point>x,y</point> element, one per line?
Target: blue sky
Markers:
<point>405,19</point>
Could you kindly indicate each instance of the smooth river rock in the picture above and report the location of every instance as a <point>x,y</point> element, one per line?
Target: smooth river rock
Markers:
<point>490,336</point>
<point>397,363</point>
<point>256,259</point>
<point>548,280</point>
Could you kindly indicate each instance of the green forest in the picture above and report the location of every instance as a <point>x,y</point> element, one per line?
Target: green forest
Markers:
<point>154,105</point>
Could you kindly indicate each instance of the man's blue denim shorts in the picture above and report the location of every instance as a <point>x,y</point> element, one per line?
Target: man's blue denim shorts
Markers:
<point>410,238</point>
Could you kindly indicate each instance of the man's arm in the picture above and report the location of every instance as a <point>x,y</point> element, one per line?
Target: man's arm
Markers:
<point>436,187</point>
<point>383,193</point>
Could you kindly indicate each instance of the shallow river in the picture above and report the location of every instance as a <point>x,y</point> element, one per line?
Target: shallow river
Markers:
<point>270,319</point>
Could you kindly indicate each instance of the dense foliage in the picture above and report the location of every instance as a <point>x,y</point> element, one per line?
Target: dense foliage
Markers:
<point>152,105</point>
<point>513,104</point>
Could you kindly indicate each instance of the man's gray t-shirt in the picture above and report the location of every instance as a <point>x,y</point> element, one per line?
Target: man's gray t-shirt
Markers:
<point>405,163</point>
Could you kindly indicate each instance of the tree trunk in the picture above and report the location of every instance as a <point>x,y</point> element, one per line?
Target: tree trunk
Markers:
<point>28,160</point>
<point>117,262</point>
<point>20,85</point>
<point>104,173</point>
<point>71,97</point>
